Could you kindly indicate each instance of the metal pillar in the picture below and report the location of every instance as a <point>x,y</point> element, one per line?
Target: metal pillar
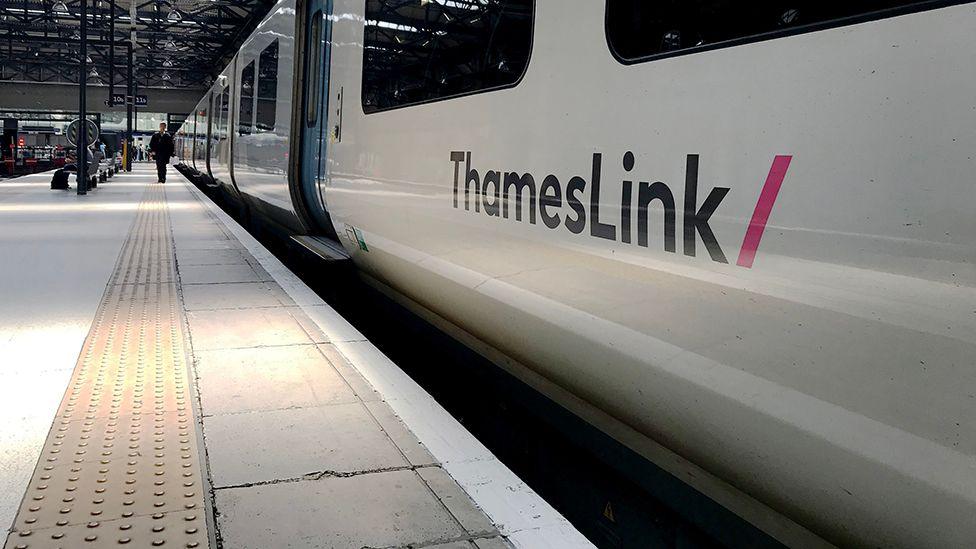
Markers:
<point>111,52</point>
<point>135,92</point>
<point>129,100</point>
<point>82,105</point>
<point>130,93</point>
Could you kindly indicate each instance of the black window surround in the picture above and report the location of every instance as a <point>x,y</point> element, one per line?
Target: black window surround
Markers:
<point>371,107</point>
<point>907,7</point>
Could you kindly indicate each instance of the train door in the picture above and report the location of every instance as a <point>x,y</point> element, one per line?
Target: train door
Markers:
<point>313,114</point>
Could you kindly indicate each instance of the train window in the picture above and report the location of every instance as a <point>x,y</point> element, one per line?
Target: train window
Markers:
<point>224,112</point>
<point>247,100</point>
<point>267,87</point>
<point>416,52</point>
<point>200,135</point>
<point>314,68</point>
<point>639,30</point>
<point>214,138</point>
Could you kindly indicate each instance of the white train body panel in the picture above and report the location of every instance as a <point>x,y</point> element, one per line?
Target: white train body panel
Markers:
<point>834,379</point>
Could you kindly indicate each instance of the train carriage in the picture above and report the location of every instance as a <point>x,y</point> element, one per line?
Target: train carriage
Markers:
<point>739,238</point>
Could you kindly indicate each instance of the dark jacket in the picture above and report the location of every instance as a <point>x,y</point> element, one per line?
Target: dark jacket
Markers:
<point>161,145</point>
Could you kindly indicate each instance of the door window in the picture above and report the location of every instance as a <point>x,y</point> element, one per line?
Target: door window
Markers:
<point>267,87</point>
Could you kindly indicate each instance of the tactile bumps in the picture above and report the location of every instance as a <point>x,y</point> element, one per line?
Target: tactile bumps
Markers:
<point>120,466</point>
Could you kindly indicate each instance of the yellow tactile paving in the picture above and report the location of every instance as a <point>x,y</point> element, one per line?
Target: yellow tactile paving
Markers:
<point>120,466</point>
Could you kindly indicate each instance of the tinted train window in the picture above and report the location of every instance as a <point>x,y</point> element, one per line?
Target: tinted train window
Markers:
<point>214,138</point>
<point>638,29</point>
<point>314,70</point>
<point>200,135</point>
<point>267,87</point>
<point>426,50</point>
<point>224,112</point>
<point>247,100</point>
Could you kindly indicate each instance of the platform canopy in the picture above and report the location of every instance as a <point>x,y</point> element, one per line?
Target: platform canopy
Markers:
<point>178,43</point>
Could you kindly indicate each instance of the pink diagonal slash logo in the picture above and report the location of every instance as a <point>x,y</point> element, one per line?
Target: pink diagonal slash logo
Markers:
<point>777,172</point>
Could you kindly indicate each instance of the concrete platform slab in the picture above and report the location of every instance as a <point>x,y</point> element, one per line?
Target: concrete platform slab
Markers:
<point>470,517</point>
<point>390,509</point>
<point>231,295</point>
<point>210,244</point>
<point>362,388</point>
<point>247,328</point>
<point>261,447</point>
<point>210,257</point>
<point>269,378</point>
<point>219,274</point>
<point>411,448</point>
<point>495,542</point>
<point>453,545</point>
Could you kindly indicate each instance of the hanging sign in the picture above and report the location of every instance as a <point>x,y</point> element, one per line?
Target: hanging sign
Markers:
<point>119,99</point>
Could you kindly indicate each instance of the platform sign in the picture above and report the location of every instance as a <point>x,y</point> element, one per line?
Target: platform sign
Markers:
<point>72,132</point>
<point>119,99</point>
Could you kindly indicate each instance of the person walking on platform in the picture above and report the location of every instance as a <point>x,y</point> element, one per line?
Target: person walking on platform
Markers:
<point>161,145</point>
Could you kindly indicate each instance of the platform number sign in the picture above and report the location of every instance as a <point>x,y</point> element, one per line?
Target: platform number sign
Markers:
<point>120,99</point>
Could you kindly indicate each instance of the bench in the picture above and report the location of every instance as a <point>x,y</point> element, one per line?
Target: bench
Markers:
<point>98,170</point>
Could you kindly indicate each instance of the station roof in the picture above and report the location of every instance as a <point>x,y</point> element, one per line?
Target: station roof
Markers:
<point>177,43</point>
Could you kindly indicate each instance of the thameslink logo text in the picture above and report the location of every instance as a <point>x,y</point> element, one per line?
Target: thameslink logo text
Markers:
<point>493,191</point>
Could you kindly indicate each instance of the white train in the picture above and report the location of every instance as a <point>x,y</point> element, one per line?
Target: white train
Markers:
<point>741,239</point>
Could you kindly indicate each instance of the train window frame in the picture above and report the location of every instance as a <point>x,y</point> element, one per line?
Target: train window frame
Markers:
<point>241,126</point>
<point>259,127</point>
<point>513,84</point>
<point>917,7</point>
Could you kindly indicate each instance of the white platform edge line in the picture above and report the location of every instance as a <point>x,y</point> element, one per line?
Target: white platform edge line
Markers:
<point>520,514</point>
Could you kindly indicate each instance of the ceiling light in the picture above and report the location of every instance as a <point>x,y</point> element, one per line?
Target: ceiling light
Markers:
<point>93,73</point>
<point>171,45</point>
<point>59,7</point>
<point>88,59</point>
<point>165,76</point>
<point>168,63</point>
<point>174,16</point>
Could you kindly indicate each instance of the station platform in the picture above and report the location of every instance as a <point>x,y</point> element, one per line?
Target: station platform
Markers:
<point>168,382</point>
